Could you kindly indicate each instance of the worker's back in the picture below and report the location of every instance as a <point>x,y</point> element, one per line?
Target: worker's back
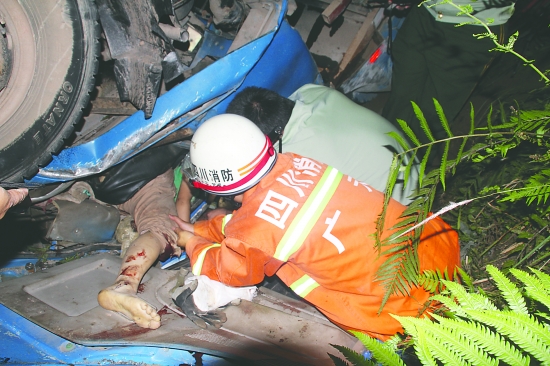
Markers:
<point>327,126</point>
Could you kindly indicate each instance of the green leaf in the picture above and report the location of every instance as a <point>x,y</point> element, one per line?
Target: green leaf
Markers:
<point>352,356</point>
<point>423,122</point>
<point>442,117</point>
<point>339,362</point>
<point>534,287</point>
<point>407,130</point>
<point>509,291</point>
<point>443,166</point>
<point>485,338</point>
<point>400,140</point>
<point>423,164</point>
<point>523,330</point>
<point>410,164</point>
<point>382,352</point>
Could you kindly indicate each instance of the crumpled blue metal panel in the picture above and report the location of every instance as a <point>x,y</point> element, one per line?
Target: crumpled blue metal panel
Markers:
<point>23,342</point>
<point>279,61</point>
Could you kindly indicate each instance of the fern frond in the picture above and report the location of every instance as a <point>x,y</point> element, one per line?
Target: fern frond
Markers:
<point>394,253</point>
<point>443,164</point>
<point>423,350</point>
<point>353,357</point>
<point>456,343</point>
<point>459,154</point>
<point>411,266</point>
<point>449,303</point>
<point>410,134</point>
<point>465,277</point>
<point>400,140</point>
<point>468,301</point>
<point>398,275</point>
<point>536,188</point>
<point>534,287</point>
<point>431,280</point>
<point>490,120</point>
<point>338,361</point>
<point>423,164</point>
<point>523,330</point>
<point>509,291</point>
<point>423,123</point>
<point>405,223</point>
<point>408,168</point>
<point>383,353</point>
<point>442,117</point>
<point>392,176</point>
<point>528,121</point>
<point>490,341</point>
<point>413,208</point>
<point>438,350</point>
<point>543,277</point>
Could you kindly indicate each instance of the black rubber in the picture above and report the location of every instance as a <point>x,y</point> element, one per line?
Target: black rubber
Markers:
<point>45,135</point>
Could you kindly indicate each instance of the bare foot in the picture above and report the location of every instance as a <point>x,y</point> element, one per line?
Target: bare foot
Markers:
<point>130,306</point>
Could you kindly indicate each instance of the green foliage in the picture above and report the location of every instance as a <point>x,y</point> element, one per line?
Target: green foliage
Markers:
<point>477,332</point>
<point>501,214</point>
<point>520,179</point>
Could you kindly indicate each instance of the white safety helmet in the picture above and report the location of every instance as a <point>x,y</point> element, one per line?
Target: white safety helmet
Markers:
<point>229,154</point>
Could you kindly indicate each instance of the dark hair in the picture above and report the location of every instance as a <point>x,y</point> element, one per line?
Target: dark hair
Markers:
<point>266,108</point>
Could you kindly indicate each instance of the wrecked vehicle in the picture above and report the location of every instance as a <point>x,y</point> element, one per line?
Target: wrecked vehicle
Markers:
<point>173,64</point>
<point>44,95</point>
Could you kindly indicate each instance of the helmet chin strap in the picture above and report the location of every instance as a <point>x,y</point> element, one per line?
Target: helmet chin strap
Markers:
<point>276,135</point>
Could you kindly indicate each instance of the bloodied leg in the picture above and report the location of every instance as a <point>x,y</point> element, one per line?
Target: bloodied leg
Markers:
<point>150,207</point>
<point>121,296</point>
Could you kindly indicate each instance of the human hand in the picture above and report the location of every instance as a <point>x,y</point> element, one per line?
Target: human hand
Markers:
<point>182,224</point>
<point>183,237</point>
<point>10,198</point>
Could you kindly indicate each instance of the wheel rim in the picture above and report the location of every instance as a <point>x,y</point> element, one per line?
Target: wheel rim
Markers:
<point>41,58</point>
<point>5,56</point>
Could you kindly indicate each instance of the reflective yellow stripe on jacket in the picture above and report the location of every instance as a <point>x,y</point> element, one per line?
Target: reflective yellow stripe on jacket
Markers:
<point>198,264</point>
<point>225,220</point>
<point>304,286</point>
<point>308,215</point>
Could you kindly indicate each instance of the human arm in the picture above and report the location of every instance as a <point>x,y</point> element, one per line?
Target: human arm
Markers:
<point>183,202</point>
<point>10,198</point>
<point>231,261</point>
<point>211,229</point>
<point>184,230</point>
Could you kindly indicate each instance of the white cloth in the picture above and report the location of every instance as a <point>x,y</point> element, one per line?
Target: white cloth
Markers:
<point>211,294</point>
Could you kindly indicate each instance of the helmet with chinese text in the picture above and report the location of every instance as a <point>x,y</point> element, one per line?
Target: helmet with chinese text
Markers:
<point>229,154</point>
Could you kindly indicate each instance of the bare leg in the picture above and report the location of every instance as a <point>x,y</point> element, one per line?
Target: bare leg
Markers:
<point>121,297</point>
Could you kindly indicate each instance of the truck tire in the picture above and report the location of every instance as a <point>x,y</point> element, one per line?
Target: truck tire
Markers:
<point>49,59</point>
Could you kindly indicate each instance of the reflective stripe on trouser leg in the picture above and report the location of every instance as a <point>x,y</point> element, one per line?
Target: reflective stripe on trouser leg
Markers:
<point>304,286</point>
<point>198,264</point>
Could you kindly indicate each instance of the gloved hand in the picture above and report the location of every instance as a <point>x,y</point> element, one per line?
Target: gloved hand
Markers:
<point>184,300</point>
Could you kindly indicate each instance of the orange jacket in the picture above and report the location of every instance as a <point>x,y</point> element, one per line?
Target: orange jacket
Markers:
<point>313,226</point>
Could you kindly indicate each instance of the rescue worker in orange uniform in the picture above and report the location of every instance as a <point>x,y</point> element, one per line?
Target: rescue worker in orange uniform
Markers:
<point>305,222</point>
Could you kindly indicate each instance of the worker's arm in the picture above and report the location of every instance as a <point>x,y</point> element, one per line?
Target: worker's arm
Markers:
<point>183,202</point>
<point>231,261</point>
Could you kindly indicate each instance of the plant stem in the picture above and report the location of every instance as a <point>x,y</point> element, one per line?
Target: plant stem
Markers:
<point>500,47</point>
